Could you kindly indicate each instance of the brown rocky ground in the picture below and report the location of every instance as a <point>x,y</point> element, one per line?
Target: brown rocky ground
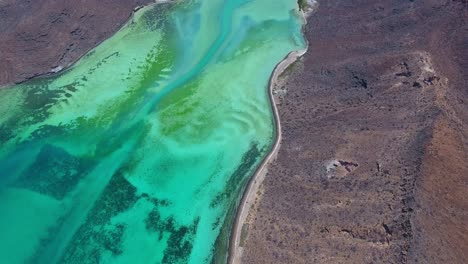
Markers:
<point>38,37</point>
<point>373,166</point>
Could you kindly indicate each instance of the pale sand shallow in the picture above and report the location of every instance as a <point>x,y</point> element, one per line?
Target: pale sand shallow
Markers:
<point>250,193</point>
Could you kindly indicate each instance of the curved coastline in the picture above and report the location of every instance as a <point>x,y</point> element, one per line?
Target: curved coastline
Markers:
<point>234,251</point>
<point>64,68</point>
<point>248,196</point>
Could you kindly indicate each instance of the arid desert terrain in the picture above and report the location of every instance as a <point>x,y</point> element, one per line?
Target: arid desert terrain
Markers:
<point>372,166</point>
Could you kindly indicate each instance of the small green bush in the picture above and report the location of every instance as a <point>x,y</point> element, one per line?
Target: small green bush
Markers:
<point>302,4</point>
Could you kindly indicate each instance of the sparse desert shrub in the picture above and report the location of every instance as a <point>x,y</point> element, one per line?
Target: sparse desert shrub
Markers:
<point>302,4</point>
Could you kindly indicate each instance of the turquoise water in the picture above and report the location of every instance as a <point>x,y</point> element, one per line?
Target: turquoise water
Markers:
<point>137,153</point>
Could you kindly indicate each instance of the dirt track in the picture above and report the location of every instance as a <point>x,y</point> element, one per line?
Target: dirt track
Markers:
<point>250,194</point>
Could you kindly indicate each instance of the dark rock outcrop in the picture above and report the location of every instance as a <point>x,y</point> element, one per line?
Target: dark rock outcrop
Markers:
<point>40,37</point>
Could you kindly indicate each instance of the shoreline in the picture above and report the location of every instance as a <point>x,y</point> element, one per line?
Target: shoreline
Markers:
<point>61,69</point>
<point>235,251</point>
<point>248,196</point>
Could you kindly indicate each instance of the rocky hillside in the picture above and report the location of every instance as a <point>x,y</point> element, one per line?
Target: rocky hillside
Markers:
<point>373,163</point>
<point>39,37</point>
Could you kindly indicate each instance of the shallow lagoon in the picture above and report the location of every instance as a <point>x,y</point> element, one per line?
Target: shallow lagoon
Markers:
<point>138,152</point>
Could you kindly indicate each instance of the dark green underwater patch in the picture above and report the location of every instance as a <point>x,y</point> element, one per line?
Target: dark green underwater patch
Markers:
<point>55,172</point>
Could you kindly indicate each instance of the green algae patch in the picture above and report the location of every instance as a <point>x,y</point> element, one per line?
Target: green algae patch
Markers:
<point>139,153</point>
